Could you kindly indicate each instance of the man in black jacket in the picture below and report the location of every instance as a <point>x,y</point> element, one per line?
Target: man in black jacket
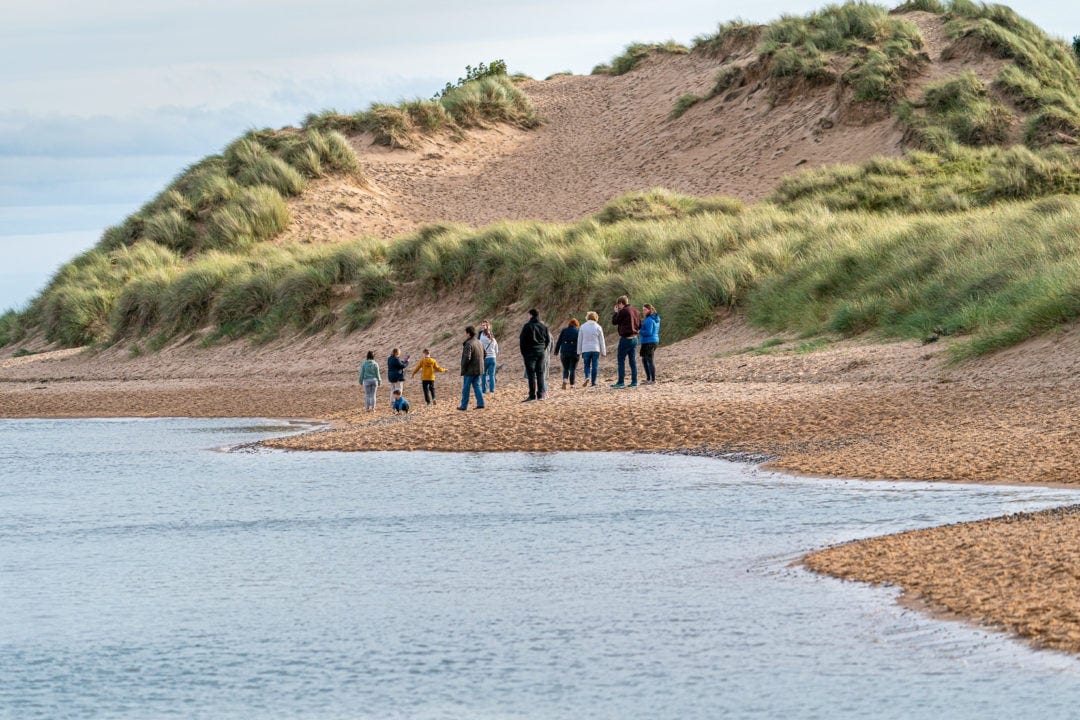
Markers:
<point>534,341</point>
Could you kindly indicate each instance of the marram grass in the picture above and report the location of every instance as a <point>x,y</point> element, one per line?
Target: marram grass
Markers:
<point>993,275</point>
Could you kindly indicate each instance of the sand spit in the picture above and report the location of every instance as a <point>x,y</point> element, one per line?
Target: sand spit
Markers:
<point>1019,573</point>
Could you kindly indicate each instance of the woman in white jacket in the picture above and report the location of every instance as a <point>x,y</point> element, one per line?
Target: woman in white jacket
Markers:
<point>591,346</point>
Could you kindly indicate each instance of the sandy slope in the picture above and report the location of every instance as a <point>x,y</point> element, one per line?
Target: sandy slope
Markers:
<point>604,136</point>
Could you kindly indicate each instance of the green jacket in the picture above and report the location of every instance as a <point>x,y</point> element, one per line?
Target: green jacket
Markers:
<point>370,371</point>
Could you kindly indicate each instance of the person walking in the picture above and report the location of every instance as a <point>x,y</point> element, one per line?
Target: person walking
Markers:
<point>370,378</point>
<point>566,347</point>
<point>591,345</point>
<point>491,354</point>
<point>427,367</point>
<point>534,341</point>
<point>472,367</point>
<point>628,321</point>
<point>650,338</point>
<point>395,370</point>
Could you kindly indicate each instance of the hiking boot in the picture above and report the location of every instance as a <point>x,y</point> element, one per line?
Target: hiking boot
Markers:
<point>618,386</point>
<point>633,384</point>
<point>563,384</point>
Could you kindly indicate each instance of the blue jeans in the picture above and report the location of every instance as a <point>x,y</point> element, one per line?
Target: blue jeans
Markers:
<point>487,380</point>
<point>471,381</point>
<point>592,362</point>
<point>628,351</point>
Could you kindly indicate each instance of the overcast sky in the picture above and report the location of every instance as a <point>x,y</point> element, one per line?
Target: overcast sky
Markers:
<point>102,102</point>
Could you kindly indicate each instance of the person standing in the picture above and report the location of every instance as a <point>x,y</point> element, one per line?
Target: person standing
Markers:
<point>591,345</point>
<point>566,347</point>
<point>370,379</point>
<point>427,367</point>
<point>628,321</point>
<point>395,370</point>
<point>534,341</point>
<point>491,353</point>
<point>472,367</point>
<point>650,338</point>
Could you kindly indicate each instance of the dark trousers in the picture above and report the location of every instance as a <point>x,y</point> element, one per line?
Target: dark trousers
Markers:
<point>569,367</point>
<point>534,371</point>
<point>429,390</point>
<point>647,351</point>
<point>628,351</point>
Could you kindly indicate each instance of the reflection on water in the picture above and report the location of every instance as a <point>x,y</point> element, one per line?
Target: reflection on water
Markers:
<point>142,575</point>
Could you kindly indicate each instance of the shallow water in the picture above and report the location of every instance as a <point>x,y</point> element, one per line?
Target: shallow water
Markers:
<point>143,574</point>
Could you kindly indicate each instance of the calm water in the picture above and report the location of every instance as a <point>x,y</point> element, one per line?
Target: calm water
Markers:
<point>144,574</point>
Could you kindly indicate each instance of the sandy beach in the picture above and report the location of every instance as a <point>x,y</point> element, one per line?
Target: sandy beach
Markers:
<point>850,409</point>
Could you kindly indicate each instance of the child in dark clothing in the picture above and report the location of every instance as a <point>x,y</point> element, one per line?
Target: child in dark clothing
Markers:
<point>400,404</point>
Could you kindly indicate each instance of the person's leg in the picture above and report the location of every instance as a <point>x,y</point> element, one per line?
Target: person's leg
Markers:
<point>426,384</point>
<point>464,392</point>
<point>530,374</point>
<point>573,369</point>
<point>591,361</point>
<point>647,360</point>
<point>488,379</point>
<point>369,394</point>
<point>477,391</point>
<point>631,355</point>
<point>541,380</point>
<point>433,402</point>
<point>624,350</point>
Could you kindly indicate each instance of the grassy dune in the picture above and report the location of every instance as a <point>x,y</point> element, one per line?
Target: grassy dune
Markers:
<point>999,274</point>
<point>965,236</point>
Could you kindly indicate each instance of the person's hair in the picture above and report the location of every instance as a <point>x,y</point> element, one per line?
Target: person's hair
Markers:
<point>426,351</point>
<point>573,323</point>
<point>395,351</point>
<point>470,331</point>
<point>624,299</point>
<point>649,307</point>
<point>591,316</point>
<point>534,312</point>
<point>396,392</point>
<point>370,354</point>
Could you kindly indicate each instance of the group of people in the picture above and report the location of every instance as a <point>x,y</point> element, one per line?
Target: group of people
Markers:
<point>638,332</point>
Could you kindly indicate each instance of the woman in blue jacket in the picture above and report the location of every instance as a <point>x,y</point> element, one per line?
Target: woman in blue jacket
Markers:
<point>395,369</point>
<point>649,336</point>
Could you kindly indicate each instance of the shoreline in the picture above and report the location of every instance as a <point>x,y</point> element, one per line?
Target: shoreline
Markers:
<point>852,410</point>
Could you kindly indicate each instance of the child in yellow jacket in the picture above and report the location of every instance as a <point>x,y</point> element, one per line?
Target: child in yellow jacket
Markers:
<point>427,367</point>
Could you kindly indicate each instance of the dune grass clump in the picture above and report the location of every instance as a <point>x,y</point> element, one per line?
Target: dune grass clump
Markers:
<point>869,50</point>
<point>957,178</point>
<point>659,204</point>
<point>1044,77</point>
<point>635,53</point>
<point>490,97</point>
<point>959,110</point>
<point>729,36</point>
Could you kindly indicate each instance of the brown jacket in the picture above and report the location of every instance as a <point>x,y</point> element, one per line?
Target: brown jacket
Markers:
<point>628,320</point>
<point>472,357</point>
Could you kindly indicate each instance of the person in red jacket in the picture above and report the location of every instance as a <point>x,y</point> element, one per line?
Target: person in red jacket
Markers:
<point>628,321</point>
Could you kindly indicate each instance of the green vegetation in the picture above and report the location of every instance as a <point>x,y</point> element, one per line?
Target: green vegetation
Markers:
<point>474,102</point>
<point>957,179</point>
<point>857,43</point>
<point>635,53</point>
<point>1044,76</point>
<point>483,70</point>
<point>999,274</point>
<point>684,103</point>
<point>1076,47</point>
<point>735,34</point>
<point>960,110</point>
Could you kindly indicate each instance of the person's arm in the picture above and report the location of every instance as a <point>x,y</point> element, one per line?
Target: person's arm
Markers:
<point>417,368</point>
<point>558,343</point>
<point>378,374</point>
<point>438,367</point>
<point>603,342</point>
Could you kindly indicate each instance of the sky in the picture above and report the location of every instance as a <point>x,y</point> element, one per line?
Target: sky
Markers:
<point>101,103</point>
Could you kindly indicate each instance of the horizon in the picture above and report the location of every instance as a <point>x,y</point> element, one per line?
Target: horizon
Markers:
<point>68,175</point>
